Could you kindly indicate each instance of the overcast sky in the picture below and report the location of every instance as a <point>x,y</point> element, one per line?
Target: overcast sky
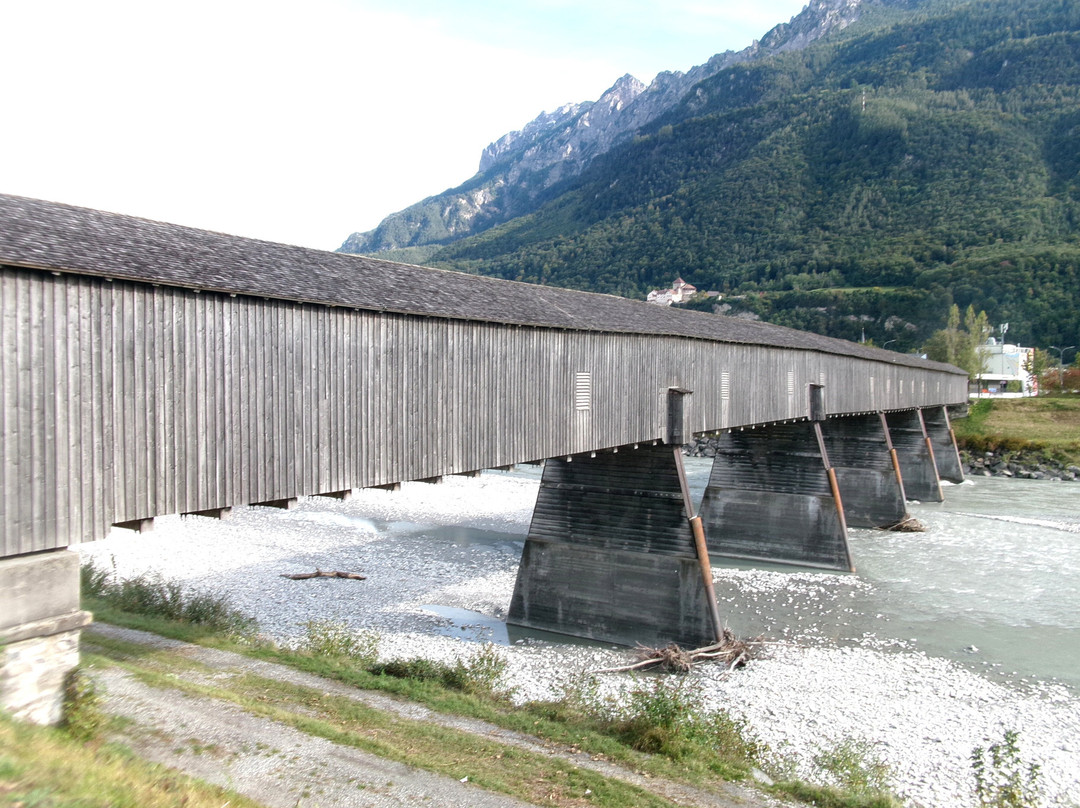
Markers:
<point>304,121</point>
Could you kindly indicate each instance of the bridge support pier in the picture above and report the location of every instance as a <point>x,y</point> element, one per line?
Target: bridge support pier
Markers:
<point>40,624</point>
<point>943,439</point>
<point>610,554</point>
<point>772,496</point>
<point>867,470</point>
<point>915,452</point>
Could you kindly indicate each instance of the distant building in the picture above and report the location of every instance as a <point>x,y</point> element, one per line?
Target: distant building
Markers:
<point>1004,363</point>
<point>679,292</point>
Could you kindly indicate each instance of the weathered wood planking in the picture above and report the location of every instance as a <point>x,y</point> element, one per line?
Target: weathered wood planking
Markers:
<point>124,401</point>
<point>150,369</point>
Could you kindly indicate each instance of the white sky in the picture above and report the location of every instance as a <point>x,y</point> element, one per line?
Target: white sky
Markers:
<point>304,121</point>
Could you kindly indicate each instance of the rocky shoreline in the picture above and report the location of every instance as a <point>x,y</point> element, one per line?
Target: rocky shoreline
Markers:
<point>1025,466</point>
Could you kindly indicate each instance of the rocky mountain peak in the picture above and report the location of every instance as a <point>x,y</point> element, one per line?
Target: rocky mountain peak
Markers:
<point>817,19</point>
<point>560,144</point>
<point>621,93</point>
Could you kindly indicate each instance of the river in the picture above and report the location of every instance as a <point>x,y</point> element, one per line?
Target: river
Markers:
<point>993,583</point>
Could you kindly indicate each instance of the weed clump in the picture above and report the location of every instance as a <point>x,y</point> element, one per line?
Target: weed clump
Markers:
<point>152,595</point>
<point>660,718</point>
<point>1003,779</point>
<point>856,768</point>
<point>857,776</point>
<point>83,716</point>
<point>93,579</point>
<point>331,638</point>
<point>480,673</point>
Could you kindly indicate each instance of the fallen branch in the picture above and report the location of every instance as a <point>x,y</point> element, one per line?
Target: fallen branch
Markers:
<point>731,651</point>
<point>300,576</point>
<point>739,661</point>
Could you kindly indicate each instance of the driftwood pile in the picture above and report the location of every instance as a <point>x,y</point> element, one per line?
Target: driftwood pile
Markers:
<point>729,651</point>
<point>300,576</point>
<point>908,525</point>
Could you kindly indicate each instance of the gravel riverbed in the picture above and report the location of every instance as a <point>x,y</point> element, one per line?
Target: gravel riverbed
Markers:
<point>441,561</point>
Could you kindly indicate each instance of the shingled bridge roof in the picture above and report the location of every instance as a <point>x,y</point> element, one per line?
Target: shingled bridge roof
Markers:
<point>58,237</point>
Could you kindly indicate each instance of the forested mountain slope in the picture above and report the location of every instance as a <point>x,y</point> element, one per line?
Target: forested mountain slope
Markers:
<point>860,185</point>
<point>518,169</point>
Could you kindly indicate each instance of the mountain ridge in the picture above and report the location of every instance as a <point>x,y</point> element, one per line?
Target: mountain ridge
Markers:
<point>516,169</point>
<point>857,187</point>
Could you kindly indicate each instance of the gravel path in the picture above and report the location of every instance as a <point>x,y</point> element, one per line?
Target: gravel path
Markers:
<point>920,715</point>
<point>273,764</point>
<point>180,730</point>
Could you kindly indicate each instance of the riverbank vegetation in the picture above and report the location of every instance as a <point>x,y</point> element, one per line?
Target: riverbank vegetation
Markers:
<point>1044,428</point>
<point>658,731</point>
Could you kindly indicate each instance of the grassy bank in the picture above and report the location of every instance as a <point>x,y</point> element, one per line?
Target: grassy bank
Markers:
<point>1049,425</point>
<point>660,733</point>
<point>49,767</point>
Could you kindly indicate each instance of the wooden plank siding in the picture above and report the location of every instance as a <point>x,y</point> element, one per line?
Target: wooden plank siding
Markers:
<point>125,400</point>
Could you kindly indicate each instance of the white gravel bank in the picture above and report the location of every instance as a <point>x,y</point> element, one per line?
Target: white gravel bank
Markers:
<point>922,715</point>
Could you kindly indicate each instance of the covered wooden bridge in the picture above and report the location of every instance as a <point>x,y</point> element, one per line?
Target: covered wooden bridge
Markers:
<point>151,369</point>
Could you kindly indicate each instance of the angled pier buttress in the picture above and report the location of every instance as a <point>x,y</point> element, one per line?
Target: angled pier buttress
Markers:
<point>915,452</point>
<point>942,438</point>
<point>610,554</point>
<point>867,472</point>
<point>771,497</point>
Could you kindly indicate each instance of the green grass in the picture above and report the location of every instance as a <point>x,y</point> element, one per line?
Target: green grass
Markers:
<point>551,721</point>
<point>494,766</point>
<point>1046,424</point>
<point>659,732</point>
<point>48,767</point>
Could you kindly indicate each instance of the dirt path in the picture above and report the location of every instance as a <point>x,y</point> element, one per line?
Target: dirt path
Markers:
<point>273,764</point>
<point>282,766</point>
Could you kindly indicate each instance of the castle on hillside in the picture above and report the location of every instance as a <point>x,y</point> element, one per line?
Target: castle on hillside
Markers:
<point>679,292</point>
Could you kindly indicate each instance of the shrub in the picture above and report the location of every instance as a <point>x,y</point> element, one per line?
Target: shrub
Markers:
<point>663,719</point>
<point>423,670</point>
<point>93,580</point>
<point>857,769</point>
<point>149,594</point>
<point>152,595</point>
<point>481,672</point>
<point>83,717</point>
<point>1002,778</point>
<point>335,639</point>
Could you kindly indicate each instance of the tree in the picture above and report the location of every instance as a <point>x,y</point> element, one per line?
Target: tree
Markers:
<point>977,329</point>
<point>960,346</point>
<point>1041,366</point>
<point>1038,362</point>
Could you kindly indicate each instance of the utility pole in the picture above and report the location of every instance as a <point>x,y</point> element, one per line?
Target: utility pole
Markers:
<point>1061,363</point>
